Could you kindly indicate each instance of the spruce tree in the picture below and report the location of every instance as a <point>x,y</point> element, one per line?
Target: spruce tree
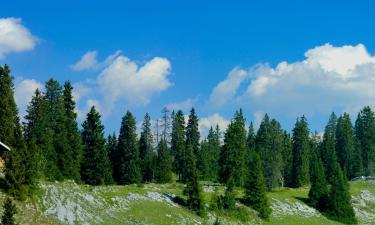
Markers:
<point>339,203</point>
<point>193,189</point>
<point>318,194</point>
<point>55,115</point>
<point>365,134</point>
<point>111,149</point>
<point>178,143</point>
<point>209,155</point>
<point>146,150</point>
<point>192,132</point>
<point>233,157</point>
<point>251,136</point>
<point>301,151</point>
<point>95,167</point>
<point>10,210</point>
<point>73,152</point>
<point>164,163</point>
<point>328,151</point>
<point>269,145</point>
<point>255,188</point>
<point>127,169</point>
<point>287,159</point>
<point>345,146</point>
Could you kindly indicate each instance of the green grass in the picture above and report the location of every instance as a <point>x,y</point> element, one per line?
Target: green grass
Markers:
<point>112,205</point>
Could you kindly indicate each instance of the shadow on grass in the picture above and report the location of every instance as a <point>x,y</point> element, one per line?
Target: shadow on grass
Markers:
<point>324,213</point>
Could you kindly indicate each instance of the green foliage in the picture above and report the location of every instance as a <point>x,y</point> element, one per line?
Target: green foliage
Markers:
<point>95,167</point>
<point>318,194</point>
<point>127,169</point>
<point>192,132</point>
<point>287,155</point>
<point>72,153</point>
<point>365,134</point>
<point>269,145</point>
<point>146,150</point>
<point>255,188</point>
<point>164,163</point>
<point>339,201</point>
<point>301,151</point>
<point>328,151</point>
<point>10,211</point>
<point>208,159</point>
<point>233,156</point>
<point>178,143</point>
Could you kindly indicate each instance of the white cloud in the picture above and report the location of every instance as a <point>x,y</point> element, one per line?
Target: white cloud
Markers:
<point>24,90</point>
<point>14,37</point>
<point>211,121</point>
<point>226,89</point>
<point>124,79</point>
<point>185,106</point>
<point>89,61</point>
<point>329,78</point>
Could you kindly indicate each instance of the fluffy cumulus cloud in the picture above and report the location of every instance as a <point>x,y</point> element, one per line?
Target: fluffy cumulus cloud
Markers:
<point>184,105</point>
<point>227,89</point>
<point>329,78</point>
<point>89,61</point>
<point>124,79</point>
<point>211,121</point>
<point>14,37</point>
<point>24,90</point>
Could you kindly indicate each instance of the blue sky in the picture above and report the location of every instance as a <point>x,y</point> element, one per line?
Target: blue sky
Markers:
<point>191,48</point>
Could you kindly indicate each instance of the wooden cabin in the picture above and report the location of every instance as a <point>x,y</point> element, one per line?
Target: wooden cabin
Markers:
<point>4,149</point>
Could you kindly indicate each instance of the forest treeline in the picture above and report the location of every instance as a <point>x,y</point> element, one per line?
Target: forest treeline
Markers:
<point>49,145</point>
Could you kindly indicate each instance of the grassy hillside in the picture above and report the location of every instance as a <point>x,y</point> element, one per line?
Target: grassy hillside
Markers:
<point>69,203</point>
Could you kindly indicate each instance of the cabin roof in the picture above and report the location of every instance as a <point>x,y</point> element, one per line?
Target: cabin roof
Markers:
<point>4,146</point>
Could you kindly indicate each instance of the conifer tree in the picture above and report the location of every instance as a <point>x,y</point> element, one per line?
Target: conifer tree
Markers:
<point>287,159</point>
<point>328,151</point>
<point>178,143</point>
<point>233,156</point>
<point>345,146</point>
<point>318,194</point>
<point>127,164</point>
<point>209,155</point>
<point>111,149</point>
<point>269,145</point>
<point>73,152</point>
<point>146,150</point>
<point>164,163</point>
<point>192,132</point>
<point>10,210</point>
<point>365,134</point>
<point>339,204</point>
<point>255,188</point>
<point>55,115</point>
<point>95,167</point>
<point>250,140</point>
<point>193,189</point>
<point>301,151</point>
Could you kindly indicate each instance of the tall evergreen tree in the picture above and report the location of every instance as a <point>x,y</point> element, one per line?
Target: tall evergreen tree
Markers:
<point>146,149</point>
<point>287,159</point>
<point>112,149</point>
<point>95,167</point>
<point>318,193</point>
<point>339,204</point>
<point>73,152</point>
<point>301,151</point>
<point>164,166</point>
<point>345,147</point>
<point>209,155</point>
<point>269,145</point>
<point>192,131</point>
<point>193,189</point>
<point>55,115</point>
<point>233,156</point>
<point>365,134</point>
<point>328,151</point>
<point>178,143</point>
<point>255,188</point>
<point>10,210</point>
<point>127,166</point>
<point>251,136</point>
